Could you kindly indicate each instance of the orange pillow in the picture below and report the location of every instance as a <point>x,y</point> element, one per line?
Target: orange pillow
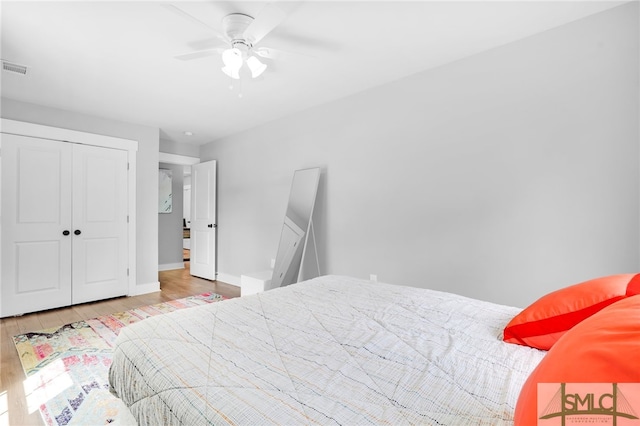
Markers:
<point>603,349</point>
<point>542,323</point>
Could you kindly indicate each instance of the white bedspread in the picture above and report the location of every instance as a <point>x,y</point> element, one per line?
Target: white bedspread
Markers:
<point>333,350</point>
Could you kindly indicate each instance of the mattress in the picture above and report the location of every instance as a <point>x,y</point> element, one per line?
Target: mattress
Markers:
<point>332,350</point>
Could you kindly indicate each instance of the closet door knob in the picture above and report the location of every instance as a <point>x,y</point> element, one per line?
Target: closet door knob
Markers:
<point>65,232</point>
<point>77,232</point>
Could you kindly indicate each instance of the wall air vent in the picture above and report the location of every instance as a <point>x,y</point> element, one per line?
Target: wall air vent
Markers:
<point>16,68</point>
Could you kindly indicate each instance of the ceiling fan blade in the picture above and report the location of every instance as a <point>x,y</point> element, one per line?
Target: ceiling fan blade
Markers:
<point>265,52</point>
<point>268,18</point>
<point>198,55</point>
<point>271,53</point>
<point>208,44</point>
<point>175,9</point>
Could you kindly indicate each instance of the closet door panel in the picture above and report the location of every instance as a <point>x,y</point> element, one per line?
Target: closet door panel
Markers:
<point>36,210</point>
<point>37,267</point>
<point>100,255</point>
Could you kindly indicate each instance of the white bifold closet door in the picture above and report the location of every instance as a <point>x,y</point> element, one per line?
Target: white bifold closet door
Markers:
<point>100,256</point>
<point>64,219</point>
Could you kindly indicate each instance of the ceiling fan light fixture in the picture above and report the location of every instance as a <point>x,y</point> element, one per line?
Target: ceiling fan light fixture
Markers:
<point>232,58</point>
<point>255,66</point>
<point>231,72</point>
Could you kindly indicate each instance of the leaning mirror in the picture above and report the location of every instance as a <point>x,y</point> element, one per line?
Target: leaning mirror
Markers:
<point>164,191</point>
<point>297,231</point>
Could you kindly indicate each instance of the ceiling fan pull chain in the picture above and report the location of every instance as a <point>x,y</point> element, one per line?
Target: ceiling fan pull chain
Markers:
<point>232,86</point>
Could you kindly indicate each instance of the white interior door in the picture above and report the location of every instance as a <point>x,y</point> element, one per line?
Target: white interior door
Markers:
<point>36,219</point>
<point>203,220</point>
<point>100,243</point>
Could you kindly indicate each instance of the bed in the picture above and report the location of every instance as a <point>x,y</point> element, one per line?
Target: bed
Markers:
<point>332,350</point>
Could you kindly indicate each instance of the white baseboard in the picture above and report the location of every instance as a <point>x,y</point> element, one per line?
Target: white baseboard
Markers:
<point>228,278</point>
<point>170,266</point>
<point>145,288</point>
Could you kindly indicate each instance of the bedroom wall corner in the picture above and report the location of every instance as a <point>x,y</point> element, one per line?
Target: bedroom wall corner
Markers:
<point>253,182</point>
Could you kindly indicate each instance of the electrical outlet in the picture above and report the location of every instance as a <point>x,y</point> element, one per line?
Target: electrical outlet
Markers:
<point>373,278</point>
<point>273,263</point>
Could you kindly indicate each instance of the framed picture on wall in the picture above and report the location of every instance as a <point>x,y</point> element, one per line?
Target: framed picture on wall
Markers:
<point>165,179</point>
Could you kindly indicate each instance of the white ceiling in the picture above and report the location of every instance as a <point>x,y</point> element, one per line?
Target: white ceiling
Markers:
<point>116,59</point>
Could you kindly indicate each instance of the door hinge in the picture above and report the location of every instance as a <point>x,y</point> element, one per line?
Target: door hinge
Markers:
<point>127,271</point>
<point>127,218</point>
<point>127,166</point>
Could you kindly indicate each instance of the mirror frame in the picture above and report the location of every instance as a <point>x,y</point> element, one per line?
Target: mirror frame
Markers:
<point>297,228</point>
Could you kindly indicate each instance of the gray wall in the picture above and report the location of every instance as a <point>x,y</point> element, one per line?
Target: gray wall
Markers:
<point>147,169</point>
<point>171,147</point>
<point>501,176</point>
<point>170,224</point>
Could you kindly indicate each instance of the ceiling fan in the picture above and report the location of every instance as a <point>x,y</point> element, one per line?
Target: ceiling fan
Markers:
<point>240,35</point>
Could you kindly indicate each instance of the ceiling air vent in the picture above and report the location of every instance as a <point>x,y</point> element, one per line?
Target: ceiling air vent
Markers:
<point>11,67</point>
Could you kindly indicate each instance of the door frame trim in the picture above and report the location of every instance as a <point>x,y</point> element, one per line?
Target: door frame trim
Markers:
<point>22,128</point>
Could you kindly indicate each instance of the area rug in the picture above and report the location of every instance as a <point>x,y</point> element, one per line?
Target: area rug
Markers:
<point>67,367</point>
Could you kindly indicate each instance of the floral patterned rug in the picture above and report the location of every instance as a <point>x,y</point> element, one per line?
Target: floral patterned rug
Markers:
<point>67,367</point>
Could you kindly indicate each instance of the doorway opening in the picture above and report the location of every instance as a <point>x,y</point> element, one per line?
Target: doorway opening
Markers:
<point>186,214</point>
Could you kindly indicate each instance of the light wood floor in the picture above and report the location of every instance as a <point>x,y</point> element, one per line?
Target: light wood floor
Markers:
<point>14,408</point>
